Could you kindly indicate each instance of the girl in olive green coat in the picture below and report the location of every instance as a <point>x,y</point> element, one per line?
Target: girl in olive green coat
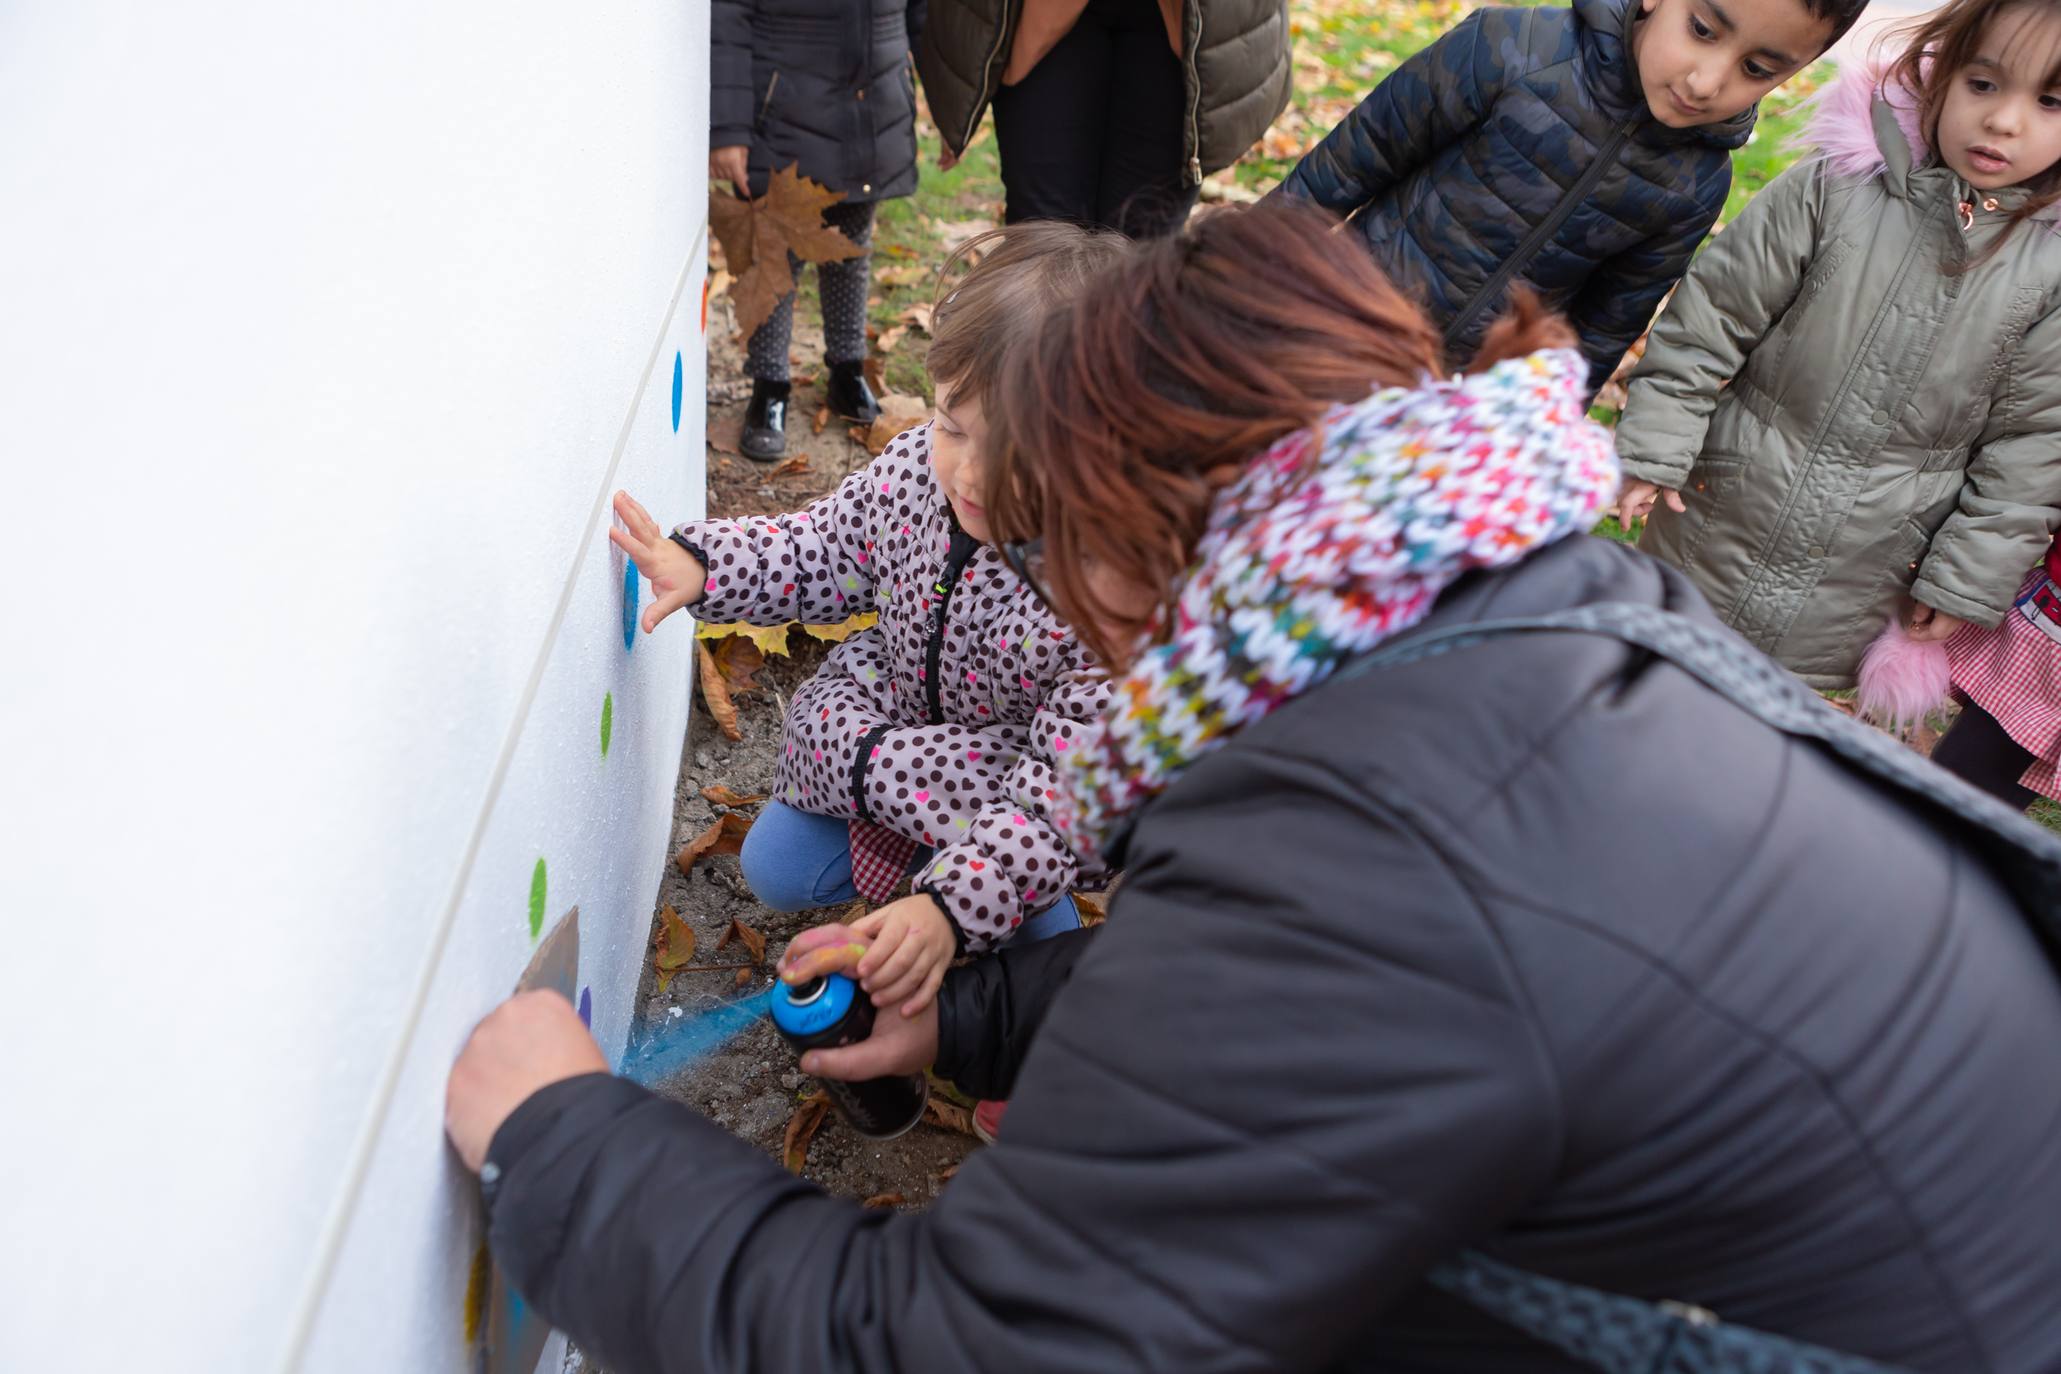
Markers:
<point>1852,407</point>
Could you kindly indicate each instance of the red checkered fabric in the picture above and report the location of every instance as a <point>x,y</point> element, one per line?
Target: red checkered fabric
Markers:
<point>2014,673</point>
<point>880,860</point>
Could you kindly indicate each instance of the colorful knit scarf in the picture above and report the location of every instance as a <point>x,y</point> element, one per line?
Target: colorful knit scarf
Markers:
<point>1307,564</point>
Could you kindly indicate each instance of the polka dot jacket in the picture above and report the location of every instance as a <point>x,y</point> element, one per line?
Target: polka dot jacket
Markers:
<point>943,721</point>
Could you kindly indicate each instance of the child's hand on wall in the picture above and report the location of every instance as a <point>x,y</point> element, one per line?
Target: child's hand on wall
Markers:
<point>1925,625</point>
<point>1635,501</point>
<point>913,944</point>
<point>675,574</point>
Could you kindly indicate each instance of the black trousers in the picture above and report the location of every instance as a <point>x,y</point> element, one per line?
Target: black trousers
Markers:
<point>1976,750</point>
<point>1094,133</point>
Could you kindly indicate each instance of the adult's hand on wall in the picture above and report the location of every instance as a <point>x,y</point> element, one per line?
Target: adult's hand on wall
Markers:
<point>531,1041</point>
<point>731,164</point>
<point>675,574</point>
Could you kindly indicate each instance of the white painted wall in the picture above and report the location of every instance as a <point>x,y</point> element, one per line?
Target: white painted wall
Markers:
<point>323,332</point>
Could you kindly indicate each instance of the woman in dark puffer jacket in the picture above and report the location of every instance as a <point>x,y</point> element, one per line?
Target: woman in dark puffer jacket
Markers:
<point>1439,982</point>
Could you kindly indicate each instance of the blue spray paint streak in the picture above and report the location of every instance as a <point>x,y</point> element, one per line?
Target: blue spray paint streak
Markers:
<point>674,1048</point>
<point>679,381</point>
<point>629,605</point>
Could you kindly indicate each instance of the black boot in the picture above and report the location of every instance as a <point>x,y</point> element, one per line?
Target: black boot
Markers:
<point>850,397</point>
<point>765,422</point>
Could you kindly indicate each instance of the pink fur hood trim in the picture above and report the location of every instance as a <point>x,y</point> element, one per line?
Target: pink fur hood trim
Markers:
<point>1842,121</point>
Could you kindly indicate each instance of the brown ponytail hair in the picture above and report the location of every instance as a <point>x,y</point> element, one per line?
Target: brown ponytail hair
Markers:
<point>1129,408</point>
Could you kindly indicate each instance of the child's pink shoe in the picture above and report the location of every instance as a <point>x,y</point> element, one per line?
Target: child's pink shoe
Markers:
<point>987,1119</point>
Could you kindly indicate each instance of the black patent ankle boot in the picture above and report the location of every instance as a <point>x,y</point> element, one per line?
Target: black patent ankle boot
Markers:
<point>850,398</point>
<point>765,422</point>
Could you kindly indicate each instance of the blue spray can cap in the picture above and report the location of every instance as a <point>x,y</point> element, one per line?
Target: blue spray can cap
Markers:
<point>806,1009</point>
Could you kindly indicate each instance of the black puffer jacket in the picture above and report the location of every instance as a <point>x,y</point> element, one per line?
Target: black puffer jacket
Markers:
<point>1518,148</point>
<point>1540,947</point>
<point>1234,61</point>
<point>822,83</point>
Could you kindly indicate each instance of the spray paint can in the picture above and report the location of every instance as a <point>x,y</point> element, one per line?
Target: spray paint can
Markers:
<point>825,1013</point>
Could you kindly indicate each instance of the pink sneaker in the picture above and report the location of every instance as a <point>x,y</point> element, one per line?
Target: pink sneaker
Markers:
<point>987,1119</point>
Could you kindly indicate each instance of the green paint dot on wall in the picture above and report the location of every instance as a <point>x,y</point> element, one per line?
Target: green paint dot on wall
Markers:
<point>607,721</point>
<point>537,901</point>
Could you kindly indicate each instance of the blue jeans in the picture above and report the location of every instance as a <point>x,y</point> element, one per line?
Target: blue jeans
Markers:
<point>795,861</point>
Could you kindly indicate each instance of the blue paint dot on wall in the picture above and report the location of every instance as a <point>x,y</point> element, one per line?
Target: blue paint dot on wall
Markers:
<point>629,605</point>
<point>587,1007</point>
<point>679,382</point>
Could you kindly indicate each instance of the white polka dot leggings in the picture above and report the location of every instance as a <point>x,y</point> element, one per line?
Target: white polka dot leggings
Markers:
<point>842,288</point>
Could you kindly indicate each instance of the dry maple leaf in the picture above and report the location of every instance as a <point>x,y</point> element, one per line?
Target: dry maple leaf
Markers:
<point>675,946</point>
<point>837,634</point>
<point>801,1129</point>
<point>738,659</point>
<point>753,942</point>
<point>726,836</point>
<point>715,690</point>
<point>1093,913</point>
<point>757,235</point>
<point>767,639</point>
<point>952,1118</point>
<point>884,1200</point>
<point>723,796</point>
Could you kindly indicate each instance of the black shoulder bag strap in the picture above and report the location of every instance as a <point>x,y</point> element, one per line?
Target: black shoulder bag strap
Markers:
<point>1624,1335</point>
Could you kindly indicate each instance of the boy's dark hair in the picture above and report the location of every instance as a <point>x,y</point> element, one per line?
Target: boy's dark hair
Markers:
<point>1843,14</point>
<point>997,288</point>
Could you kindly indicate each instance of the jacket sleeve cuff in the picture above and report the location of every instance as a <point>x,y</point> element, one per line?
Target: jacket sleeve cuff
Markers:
<point>586,1097</point>
<point>1659,474</point>
<point>1960,607</point>
<point>978,898</point>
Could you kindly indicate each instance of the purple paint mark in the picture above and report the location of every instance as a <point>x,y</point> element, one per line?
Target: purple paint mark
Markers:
<point>587,1007</point>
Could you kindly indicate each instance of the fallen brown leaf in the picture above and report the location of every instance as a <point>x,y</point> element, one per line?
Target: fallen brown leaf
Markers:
<point>1093,913</point>
<point>723,796</point>
<point>876,374</point>
<point>675,946</point>
<point>738,659</point>
<point>801,1129</point>
<point>898,414</point>
<point>797,466</point>
<point>767,639</point>
<point>726,836</point>
<point>753,942</point>
<point>838,634</point>
<point>893,335</point>
<point>948,1116</point>
<point>918,315</point>
<point>817,425</point>
<point>726,433</point>
<point>944,1175</point>
<point>908,274</point>
<point>744,977</point>
<point>715,690</point>
<point>879,1200</point>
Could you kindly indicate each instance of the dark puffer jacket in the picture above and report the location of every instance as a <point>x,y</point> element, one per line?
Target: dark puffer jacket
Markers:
<point>822,83</point>
<point>1518,148</point>
<point>1234,62</point>
<point>1399,970</point>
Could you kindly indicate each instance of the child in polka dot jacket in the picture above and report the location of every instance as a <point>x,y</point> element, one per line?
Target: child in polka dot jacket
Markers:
<point>926,743</point>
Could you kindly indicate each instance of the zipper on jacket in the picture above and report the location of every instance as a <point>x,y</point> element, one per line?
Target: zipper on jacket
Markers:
<point>987,72</point>
<point>1493,288</point>
<point>964,546</point>
<point>1194,78</point>
<point>767,103</point>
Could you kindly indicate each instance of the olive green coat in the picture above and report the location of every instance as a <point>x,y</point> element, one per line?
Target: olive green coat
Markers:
<point>1234,60</point>
<point>1892,423</point>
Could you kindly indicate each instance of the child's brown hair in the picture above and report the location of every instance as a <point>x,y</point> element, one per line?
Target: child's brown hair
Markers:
<point>995,290</point>
<point>1937,48</point>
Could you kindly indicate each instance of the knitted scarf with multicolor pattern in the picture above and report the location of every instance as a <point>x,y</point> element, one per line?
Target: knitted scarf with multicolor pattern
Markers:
<point>1306,564</point>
